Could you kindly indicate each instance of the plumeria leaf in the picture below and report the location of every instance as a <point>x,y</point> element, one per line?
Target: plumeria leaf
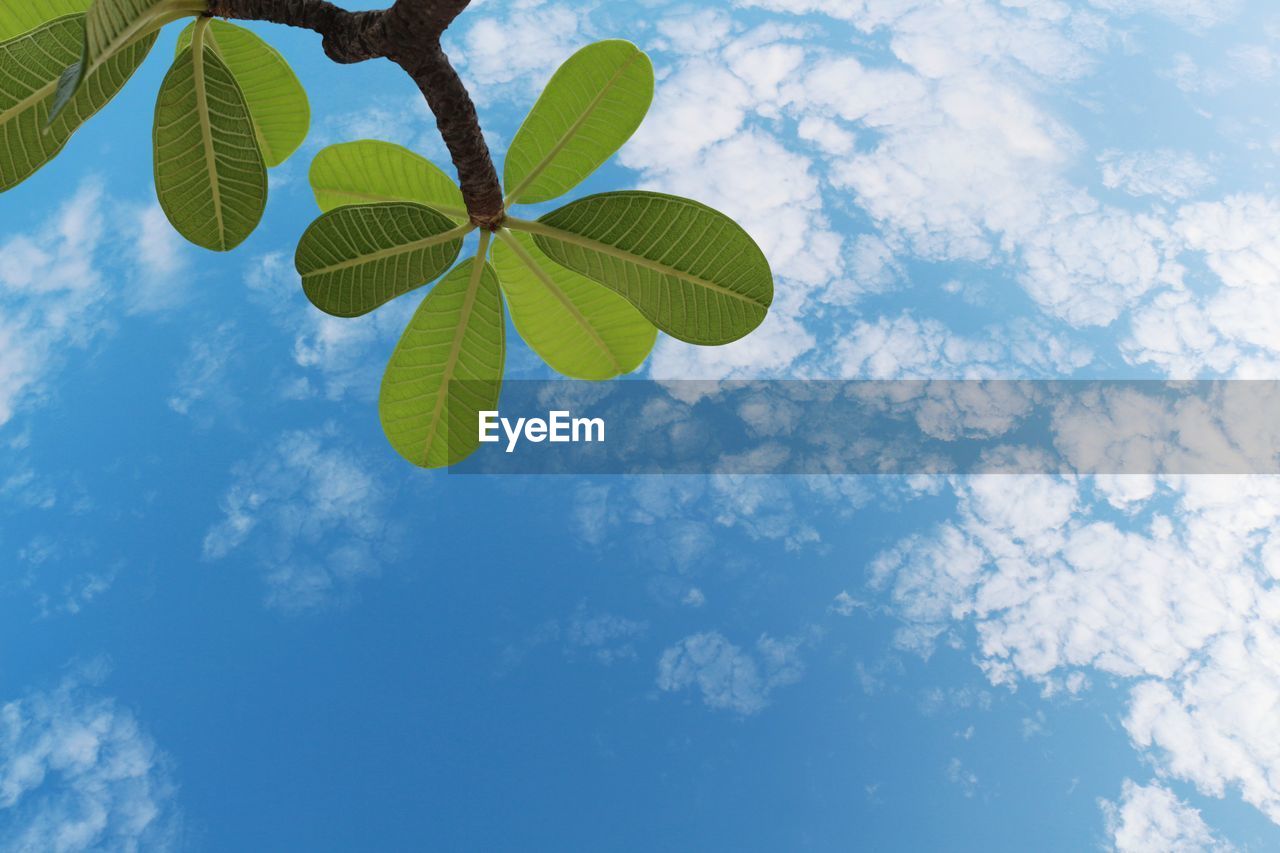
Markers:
<point>353,259</point>
<point>446,369</point>
<point>19,18</point>
<point>592,105</point>
<point>210,176</point>
<point>110,27</point>
<point>370,171</point>
<point>691,271</point>
<point>579,327</point>
<point>31,68</point>
<point>277,102</point>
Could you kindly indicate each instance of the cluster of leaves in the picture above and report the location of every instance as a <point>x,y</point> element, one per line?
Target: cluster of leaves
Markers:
<point>588,285</point>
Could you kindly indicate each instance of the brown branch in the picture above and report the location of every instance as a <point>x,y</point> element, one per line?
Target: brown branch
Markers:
<point>409,35</point>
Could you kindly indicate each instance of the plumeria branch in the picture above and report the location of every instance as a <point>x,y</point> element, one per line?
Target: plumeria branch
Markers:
<point>408,34</point>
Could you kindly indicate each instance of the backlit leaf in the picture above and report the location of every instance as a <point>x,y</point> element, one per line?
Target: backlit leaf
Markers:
<point>17,18</point>
<point>592,105</point>
<point>354,259</point>
<point>690,270</point>
<point>277,101</point>
<point>446,369</point>
<point>31,66</point>
<point>369,171</point>
<point>579,327</point>
<point>210,177</point>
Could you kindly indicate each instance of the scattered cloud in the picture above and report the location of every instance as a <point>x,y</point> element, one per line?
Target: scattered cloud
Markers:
<point>312,513</point>
<point>77,772</point>
<point>727,677</point>
<point>1151,819</point>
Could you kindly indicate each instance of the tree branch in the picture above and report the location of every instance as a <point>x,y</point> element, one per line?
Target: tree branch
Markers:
<point>409,35</point>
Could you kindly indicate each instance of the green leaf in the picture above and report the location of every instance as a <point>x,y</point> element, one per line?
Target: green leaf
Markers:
<point>354,259</point>
<point>31,66</point>
<point>17,18</point>
<point>277,101</point>
<point>210,177</point>
<point>110,27</point>
<point>446,369</point>
<point>692,271</point>
<point>580,328</point>
<point>369,171</point>
<point>592,105</point>
<point>112,24</point>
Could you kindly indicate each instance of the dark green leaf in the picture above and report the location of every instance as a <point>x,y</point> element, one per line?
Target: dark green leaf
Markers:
<point>210,177</point>
<point>354,259</point>
<point>31,66</point>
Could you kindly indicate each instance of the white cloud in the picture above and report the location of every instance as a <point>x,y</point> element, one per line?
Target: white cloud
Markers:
<point>728,677</point>
<point>1196,14</point>
<point>157,280</point>
<point>905,347</point>
<point>1227,329</point>
<point>513,54</point>
<point>55,285</point>
<point>1182,608</point>
<point>202,376</point>
<point>51,288</point>
<point>1151,819</point>
<point>78,773</point>
<point>1167,174</point>
<point>314,514</point>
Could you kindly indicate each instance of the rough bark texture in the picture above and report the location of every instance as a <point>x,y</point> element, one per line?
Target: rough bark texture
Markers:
<point>408,34</point>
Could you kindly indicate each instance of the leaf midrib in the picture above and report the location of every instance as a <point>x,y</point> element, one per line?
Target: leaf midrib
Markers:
<point>514,195</point>
<point>455,350</point>
<point>390,252</point>
<point>551,231</point>
<point>206,128</point>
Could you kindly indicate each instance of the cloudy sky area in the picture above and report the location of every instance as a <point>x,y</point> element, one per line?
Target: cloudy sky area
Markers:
<point>231,618</point>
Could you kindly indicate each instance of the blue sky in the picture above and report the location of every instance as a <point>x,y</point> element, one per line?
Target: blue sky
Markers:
<point>232,618</point>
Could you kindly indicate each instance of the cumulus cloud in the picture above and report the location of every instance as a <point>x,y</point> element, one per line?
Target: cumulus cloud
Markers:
<point>77,772</point>
<point>312,513</point>
<point>727,677</point>
<point>56,290</point>
<point>1151,819</point>
<point>1182,608</point>
<point>1167,174</point>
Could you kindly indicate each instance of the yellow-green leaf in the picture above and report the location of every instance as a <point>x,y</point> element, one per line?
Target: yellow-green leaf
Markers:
<point>354,259</point>
<point>210,176</point>
<point>690,270</point>
<point>579,327</point>
<point>446,369</point>
<point>23,16</point>
<point>592,105</point>
<point>278,103</point>
<point>369,171</point>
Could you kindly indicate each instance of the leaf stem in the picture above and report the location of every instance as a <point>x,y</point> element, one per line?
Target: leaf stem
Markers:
<point>408,34</point>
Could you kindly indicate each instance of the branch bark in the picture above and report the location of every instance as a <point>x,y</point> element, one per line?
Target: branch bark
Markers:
<point>408,34</point>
